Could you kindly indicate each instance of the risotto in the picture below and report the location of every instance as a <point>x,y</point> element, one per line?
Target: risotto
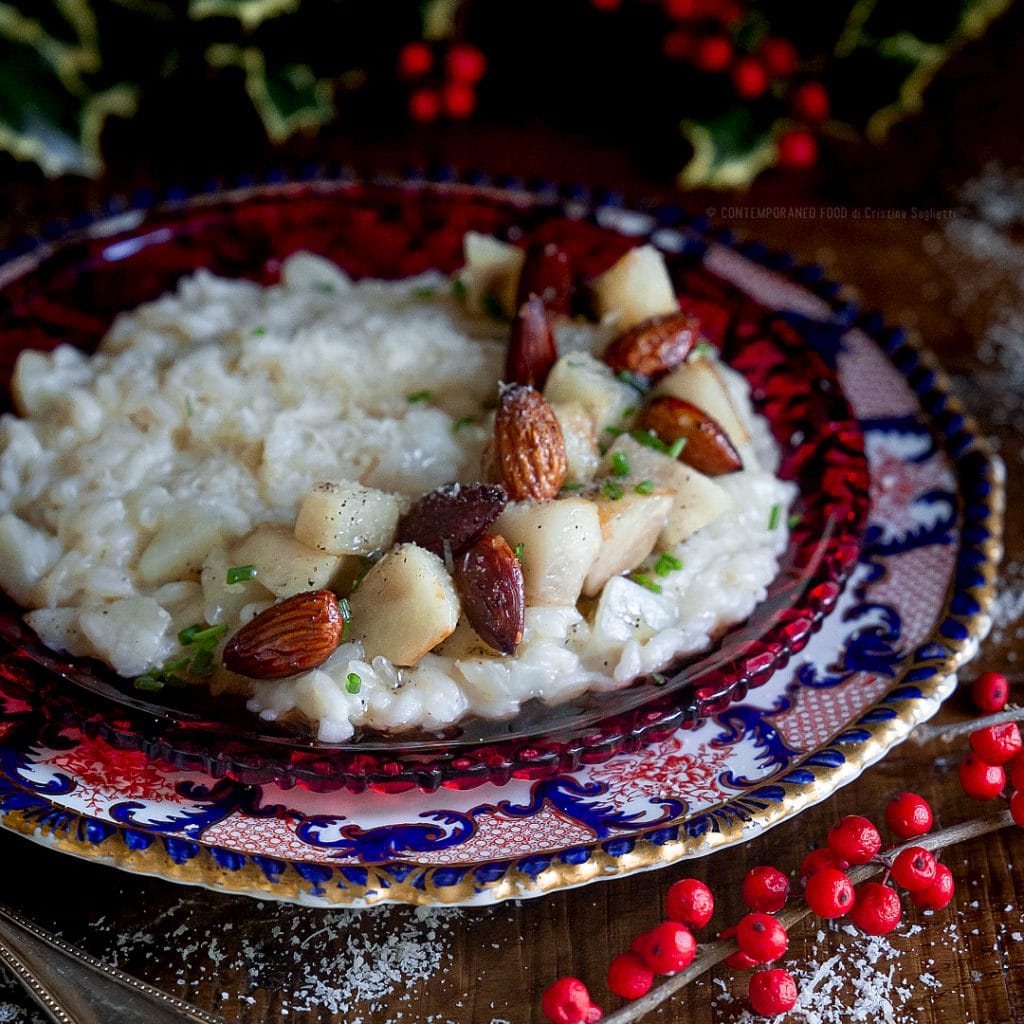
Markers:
<point>170,489</point>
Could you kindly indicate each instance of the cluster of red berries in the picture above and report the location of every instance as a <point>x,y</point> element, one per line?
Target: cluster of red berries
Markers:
<point>454,93</point>
<point>997,752</point>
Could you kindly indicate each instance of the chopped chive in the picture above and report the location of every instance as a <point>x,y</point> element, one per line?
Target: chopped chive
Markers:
<point>458,288</point>
<point>572,486</point>
<point>620,464</point>
<point>633,380</point>
<point>418,396</point>
<point>239,574</point>
<point>186,636</point>
<point>353,682</point>
<point>345,610</point>
<point>174,666</point>
<point>520,550</point>
<point>202,662</point>
<point>649,439</point>
<point>492,307</point>
<point>630,411</point>
<point>773,519</point>
<point>676,447</point>
<point>704,348</point>
<point>614,431</point>
<point>258,332</point>
<point>658,679</point>
<point>643,580</point>
<point>794,520</point>
<point>425,292</point>
<point>667,563</point>
<point>149,682</point>
<point>602,449</point>
<point>611,490</point>
<point>644,487</point>
<point>202,635</point>
<point>461,422</point>
<point>324,287</point>
<point>189,408</point>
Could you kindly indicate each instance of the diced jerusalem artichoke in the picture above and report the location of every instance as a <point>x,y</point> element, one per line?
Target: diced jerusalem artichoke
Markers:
<point>405,606</point>
<point>635,288</point>
<point>701,384</point>
<point>129,634</point>
<point>697,500</point>
<point>581,451</point>
<point>26,554</point>
<point>581,379</point>
<point>283,565</point>
<point>626,611</point>
<point>492,268</point>
<point>347,518</point>
<point>179,547</point>
<point>223,601</point>
<point>630,528</point>
<point>560,540</point>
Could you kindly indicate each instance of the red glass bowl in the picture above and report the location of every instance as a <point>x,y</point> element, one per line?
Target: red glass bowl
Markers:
<point>68,291</point>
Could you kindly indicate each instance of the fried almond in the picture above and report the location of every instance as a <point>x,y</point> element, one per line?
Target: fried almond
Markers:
<point>546,274</point>
<point>707,448</point>
<point>529,447</point>
<point>456,513</point>
<point>531,346</point>
<point>654,347</point>
<point>490,584</point>
<point>292,636</point>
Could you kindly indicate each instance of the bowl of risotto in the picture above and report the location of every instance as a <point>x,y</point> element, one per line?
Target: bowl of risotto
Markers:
<point>350,483</point>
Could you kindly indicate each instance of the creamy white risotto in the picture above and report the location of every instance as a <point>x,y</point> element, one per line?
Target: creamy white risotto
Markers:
<point>151,492</point>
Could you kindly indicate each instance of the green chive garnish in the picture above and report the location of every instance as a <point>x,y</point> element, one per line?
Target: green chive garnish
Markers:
<point>345,610</point>
<point>640,383</point>
<point>794,520</point>
<point>649,439</point>
<point>667,563</point>
<point>149,682</point>
<point>186,636</point>
<point>240,573</point>
<point>462,421</point>
<point>704,348</point>
<point>643,580</point>
<point>202,635</point>
<point>458,288</point>
<point>676,447</point>
<point>520,549</point>
<point>620,464</point>
<point>644,487</point>
<point>773,519</point>
<point>324,287</point>
<point>611,490</point>
<point>424,292</point>
<point>353,682</point>
<point>258,331</point>
<point>573,486</point>
<point>492,307</point>
<point>202,662</point>
<point>189,409</point>
<point>418,396</point>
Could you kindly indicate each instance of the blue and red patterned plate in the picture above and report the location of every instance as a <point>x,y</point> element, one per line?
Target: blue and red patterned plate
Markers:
<point>906,606</point>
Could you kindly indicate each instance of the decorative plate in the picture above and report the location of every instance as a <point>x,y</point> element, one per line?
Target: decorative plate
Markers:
<point>914,609</point>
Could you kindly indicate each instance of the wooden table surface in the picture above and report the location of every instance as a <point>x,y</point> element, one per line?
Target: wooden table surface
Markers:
<point>256,961</point>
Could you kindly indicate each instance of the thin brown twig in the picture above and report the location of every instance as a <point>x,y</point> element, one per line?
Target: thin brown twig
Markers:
<point>926,733</point>
<point>713,953</point>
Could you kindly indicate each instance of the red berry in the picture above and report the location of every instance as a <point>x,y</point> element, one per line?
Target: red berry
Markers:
<point>629,976</point>
<point>811,102</point>
<point>566,1001</point>
<point>666,948</point>
<point>739,961</point>
<point>876,908</point>
<point>682,10</point>
<point>459,100</point>
<point>424,105</point>
<point>689,902</point>
<point>914,869</point>
<point>1017,772</point>
<point>761,937</point>
<point>606,5</point>
<point>908,815</point>
<point>798,150</point>
<point>939,893</point>
<point>818,860</point>
<point>465,63</point>
<point>772,992</point>
<point>713,54</point>
<point>1017,807</point>
<point>855,839</point>
<point>990,691</point>
<point>765,888</point>
<point>997,744</point>
<point>829,893</point>
<point>415,59</point>
<point>980,780</point>
<point>749,78</point>
<point>779,56</point>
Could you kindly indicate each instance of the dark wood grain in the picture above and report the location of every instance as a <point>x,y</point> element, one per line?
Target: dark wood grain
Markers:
<point>495,962</point>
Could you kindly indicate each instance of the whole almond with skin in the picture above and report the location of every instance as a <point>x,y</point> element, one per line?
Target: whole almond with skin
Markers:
<point>547,274</point>
<point>490,584</point>
<point>707,449</point>
<point>456,513</point>
<point>531,345</point>
<point>295,635</point>
<point>654,347</point>
<point>529,447</point>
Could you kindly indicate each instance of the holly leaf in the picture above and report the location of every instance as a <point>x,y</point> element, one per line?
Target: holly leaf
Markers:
<point>249,13</point>
<point>288,97</point>
<point>728,151</point>
<point>62,32</point>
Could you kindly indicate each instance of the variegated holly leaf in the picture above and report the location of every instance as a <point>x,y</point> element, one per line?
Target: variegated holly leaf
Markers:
<point>249,13</point>
<point>288,97</point>
<point>728,152</point>
<point>63,33</point>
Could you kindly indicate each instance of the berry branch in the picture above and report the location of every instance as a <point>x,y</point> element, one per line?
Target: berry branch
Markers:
<point>714,953</point>
<point>947,733</point>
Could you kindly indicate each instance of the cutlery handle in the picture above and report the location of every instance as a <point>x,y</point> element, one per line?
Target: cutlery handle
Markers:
<point>74,987</point>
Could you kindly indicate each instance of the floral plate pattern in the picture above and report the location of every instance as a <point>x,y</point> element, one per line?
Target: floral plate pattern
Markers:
<point>913,611</point>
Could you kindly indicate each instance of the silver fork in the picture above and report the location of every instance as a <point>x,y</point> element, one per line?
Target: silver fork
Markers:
<point>74,987</point>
